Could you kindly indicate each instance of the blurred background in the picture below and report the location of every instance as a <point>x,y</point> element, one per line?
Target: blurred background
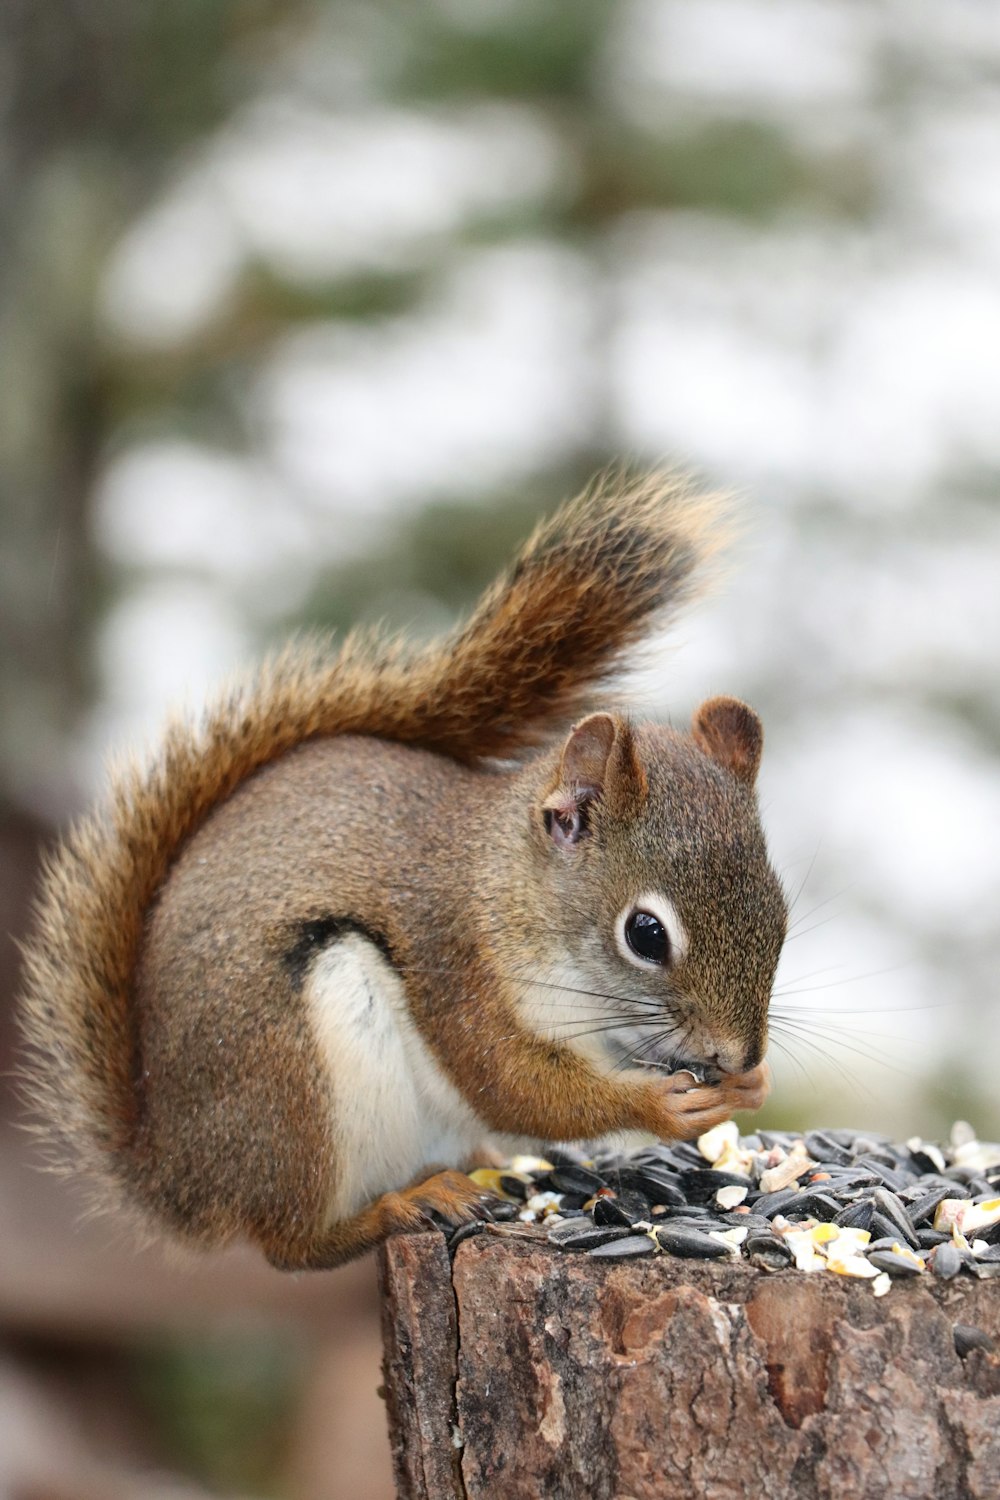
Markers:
<point>307,309</point>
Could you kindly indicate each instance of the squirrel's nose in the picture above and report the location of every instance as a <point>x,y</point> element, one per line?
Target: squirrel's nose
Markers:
<point>752,1057</point>
<point>737,1058</point>
<point>724,1059</point>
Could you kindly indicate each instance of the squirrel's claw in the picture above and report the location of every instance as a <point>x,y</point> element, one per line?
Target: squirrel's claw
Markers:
<point>449,1196</point>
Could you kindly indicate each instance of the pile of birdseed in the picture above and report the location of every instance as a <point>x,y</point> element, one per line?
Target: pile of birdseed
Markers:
<point>842,1201</point>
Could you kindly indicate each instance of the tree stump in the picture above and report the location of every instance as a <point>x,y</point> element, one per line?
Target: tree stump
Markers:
<point>524,1371</point>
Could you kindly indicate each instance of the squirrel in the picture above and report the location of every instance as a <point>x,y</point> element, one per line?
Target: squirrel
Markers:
<point>377,906</point>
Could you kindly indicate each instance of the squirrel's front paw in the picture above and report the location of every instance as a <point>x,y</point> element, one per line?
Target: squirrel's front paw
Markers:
<point>747,1090</point>
<point>681,1112</point>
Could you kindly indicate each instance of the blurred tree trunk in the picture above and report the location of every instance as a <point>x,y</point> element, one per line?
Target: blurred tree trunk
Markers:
<point>96,100</point>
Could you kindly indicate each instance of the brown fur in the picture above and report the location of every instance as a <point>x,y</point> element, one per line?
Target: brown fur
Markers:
<point>172,1056</point>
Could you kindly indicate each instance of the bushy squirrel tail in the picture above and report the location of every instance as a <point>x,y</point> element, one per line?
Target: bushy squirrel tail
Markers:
<point>542,644</point>
<point>551,635</point>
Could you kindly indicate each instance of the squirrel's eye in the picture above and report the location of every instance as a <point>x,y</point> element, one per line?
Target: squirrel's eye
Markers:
<point>647,937</point>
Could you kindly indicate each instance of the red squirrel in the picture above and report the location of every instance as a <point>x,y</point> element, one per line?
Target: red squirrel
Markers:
<point>380,904</point>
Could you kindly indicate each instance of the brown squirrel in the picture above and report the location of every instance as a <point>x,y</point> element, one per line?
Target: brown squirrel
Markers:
<point>372,910</point>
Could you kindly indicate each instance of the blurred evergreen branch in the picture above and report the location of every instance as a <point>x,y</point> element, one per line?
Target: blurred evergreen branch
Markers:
<point>223,1406</point>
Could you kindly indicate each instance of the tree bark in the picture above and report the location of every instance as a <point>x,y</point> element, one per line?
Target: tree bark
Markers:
<point>526,1371</point>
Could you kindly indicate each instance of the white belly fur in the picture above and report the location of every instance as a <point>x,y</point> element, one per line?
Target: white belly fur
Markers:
<point>394,1112</point>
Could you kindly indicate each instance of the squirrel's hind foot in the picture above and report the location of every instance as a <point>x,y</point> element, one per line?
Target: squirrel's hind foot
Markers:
<point>449,1196</point>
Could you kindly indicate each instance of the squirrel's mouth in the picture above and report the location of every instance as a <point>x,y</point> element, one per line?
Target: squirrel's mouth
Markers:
<point>677,1063</point>
<point>658,1055</point>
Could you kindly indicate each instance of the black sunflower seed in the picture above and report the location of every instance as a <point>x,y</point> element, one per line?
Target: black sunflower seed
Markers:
<point>515,1186</point>
<point>609,1166</point>
<point>582,1234</point>
<point>930,1237</point>
<point>844,1184</point>
<point>767,1250</point>
<point>679,1154</point>
<point>921,1210</point>
<point>734,1220</point>
<point>857,1215</point>
<point>811,1204</point>
<point>955,1188</point>
<point>887,1174</point>
<point>699,1211</point>
<point>887,1204</point>
<point>566,1156</point>
<point>822,1147</point>
<point>970,1176</point>
<point>658,1184</point>
<point>632,1245</point>
<point>770,1204</point>
<point>701,1185</point>
<point>843,1137</point>
<point>946,1262</point>
<point>896,1265</point>
<point>771,1138</point>
<point>693,1221</point>
<point>625,1209</point>
<point>841,1179</point>
<point>573,1178</point>
<point>922,1162</point>
<point>881,1227</point>
<point>878,1146</point>
<point>691,1243</point>
<point>569,1200</point>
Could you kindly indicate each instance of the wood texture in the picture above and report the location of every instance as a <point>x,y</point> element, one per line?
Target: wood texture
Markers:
<point>525,1371</point>
<point>420,1337</point>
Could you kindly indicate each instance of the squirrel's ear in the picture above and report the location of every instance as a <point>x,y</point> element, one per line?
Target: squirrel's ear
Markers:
<point>732,734</point>
<point>587,751</point>
<point>598,761</point>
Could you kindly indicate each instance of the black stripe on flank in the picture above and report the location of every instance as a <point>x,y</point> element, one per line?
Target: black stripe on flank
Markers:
<point>309,939</point>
